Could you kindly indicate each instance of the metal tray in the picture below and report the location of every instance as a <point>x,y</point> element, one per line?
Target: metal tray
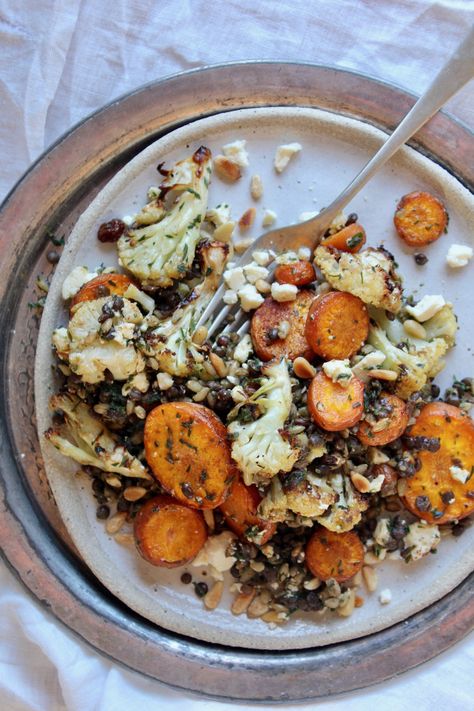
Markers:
<point>34,541</point>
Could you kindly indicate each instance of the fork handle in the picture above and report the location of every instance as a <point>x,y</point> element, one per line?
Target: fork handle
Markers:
<point>456,72</point>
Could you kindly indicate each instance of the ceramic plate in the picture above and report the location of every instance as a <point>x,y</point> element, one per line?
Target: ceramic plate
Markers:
<point>334,149</point>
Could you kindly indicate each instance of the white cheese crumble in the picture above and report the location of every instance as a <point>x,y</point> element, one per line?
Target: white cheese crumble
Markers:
<point>219,215</point>
<point>427,307</point>
<point>368,362</point>
<point>269,217</point>
<point>230,297</point>
<point>338,371</point>
<point>243,349</point>
<point>385,596</point>
<point>284,292</point>
<point>213,554</point>
<point>458,255</point>
<point>461,475</point>
<point>235,278</point>
<point>128,220</point>
<point>382,532</point>
<point>284,154</point>
<point>75,280</point>
<point>304,253</point>
<point>421,539</point>
<point>249,297</point>
<point>254,271</point>
<point>236,151</point>
<point>262,256</point>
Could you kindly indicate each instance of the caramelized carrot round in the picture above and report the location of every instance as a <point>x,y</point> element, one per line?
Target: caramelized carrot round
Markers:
<point>442,490</point>
<point>167,533</point>
<point>298,273</point>
<point>420,218</point>
<point>240,513</point>
<point>334,555</point>
<point>100,286</point>
<point>349,239</point>
<point>187,449</point>
<point>337,325</point>
<point>334,407</point>
<point>267,319</point>
<point>389,426</point>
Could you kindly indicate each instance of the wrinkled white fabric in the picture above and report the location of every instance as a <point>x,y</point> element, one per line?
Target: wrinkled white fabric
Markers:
<point>59,61</point>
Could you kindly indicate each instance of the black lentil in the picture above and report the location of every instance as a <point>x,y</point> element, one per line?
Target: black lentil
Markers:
<point>423,503</point>
<point>352,218</point>
<point>53,256</point>
<point>103,512</point>
<point>200,589</point>
<point>420,258</point>
<point>186,578</point>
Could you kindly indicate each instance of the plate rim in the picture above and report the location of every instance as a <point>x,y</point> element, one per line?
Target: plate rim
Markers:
<point>218,685</point>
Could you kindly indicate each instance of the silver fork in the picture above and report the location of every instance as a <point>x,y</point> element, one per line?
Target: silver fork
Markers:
<point>453,76</point>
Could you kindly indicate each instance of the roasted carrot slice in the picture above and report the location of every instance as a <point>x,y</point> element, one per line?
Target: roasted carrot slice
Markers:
<point>240,513</point>
<point>420,218</point>
<point>269,317</point>
<point>99,286</point>
<point>337,325</point>
<point>167,533</point>
<point>349,239</point>
<point>442,490</point>
<point>391,424</point>
<point>334,407</point>
<point>298,273</point>
<point>334,555</point>
<point>187,449</point>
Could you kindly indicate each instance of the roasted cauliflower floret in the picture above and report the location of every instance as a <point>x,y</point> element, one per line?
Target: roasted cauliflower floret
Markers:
<point>307,494</point>
<point>164,250</point>
<point>85,439</point>
<point>418,359</point>
<point>347,510</point>
<point>101,336</point>
<point>369,274</point>
<point>171,342</point>
<point>258,447</point>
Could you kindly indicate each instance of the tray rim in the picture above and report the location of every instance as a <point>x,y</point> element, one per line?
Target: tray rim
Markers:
<point>221,662</point>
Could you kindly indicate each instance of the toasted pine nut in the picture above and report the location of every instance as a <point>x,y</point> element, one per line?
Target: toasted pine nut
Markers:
<point>370,578</point>
<point>219,365</point>
<point>242,601</point>
<point>415,329</point>
<point>264,287</point>
<point>227,169</point>
<point>200,335</point>
<point>194,386</point>
<point>213,597</point>
<point>115,523</point>
<point>113,481</point>
<point>224,232</point>
<point>312,584</point>
<point>257,608</point>
<point>256,187</point>
<point>241,246</point>
<point>125,539</point>
<point>360,482</point>
<point>347,608</point>
<point>201,395</point>
<point>247,219</point>
<point>381,374</point>
<point>302,368</point>
<point>359,601</point>
<point>275,617</point>
<point>134,493</point>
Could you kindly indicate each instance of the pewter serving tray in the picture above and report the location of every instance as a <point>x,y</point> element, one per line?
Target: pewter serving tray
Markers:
<point>52,196</point>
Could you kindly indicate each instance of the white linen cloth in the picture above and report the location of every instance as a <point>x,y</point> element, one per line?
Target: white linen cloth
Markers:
<point>62,59</point>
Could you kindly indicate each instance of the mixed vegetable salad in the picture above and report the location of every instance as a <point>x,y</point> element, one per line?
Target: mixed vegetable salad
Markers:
<point>297,455</point>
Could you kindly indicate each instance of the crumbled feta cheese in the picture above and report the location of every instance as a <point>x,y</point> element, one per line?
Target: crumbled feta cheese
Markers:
<point>421,539</point>
<point>284,292</point>
<point>256,187</point>
<point>236,151</point>
<point>243,349</point>
<point>287,258</point>
<point>458,255</point>
<point>368,362</point>
<point>235,278</point>
<point>308,215</point>
<point>338,223</point>
<point>262,256</point>
<point>128,220</point>
<point>339,371</point>
<point>223,233</point>
<point>213,554</point>
<point>304,253</point>
<point>254,271</point>
<point>230,297</point>
<point>269,217</point>
<point>382,532</point>
<point>385,596</point>
<point>284,154</point>
<point>249,297</point>
<point>426,308</point>
<point>461,475</point>
<point>376,456</point>
<point>376,484</point>
<point>138,382</point>
<point>219,215</point>
<point>74,280</point>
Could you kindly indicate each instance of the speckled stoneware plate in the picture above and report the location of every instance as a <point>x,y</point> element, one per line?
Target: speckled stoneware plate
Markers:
<point>334,149</point>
